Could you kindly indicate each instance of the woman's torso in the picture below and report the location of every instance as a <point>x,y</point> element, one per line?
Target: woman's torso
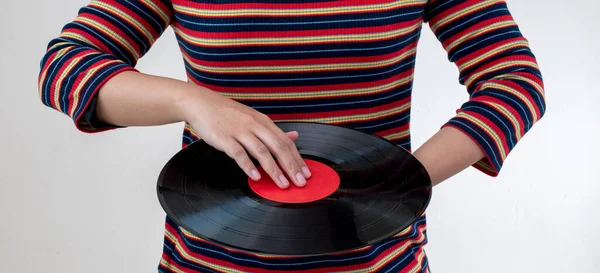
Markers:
<point>336,62</point>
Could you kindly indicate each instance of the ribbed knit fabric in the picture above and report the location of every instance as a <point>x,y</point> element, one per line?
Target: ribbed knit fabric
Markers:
<point>337,62</point>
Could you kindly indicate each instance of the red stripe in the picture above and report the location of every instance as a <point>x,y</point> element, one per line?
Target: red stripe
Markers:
<point>61,70</point>
<point>297,33</point>
<point>531,77</point>
<point>52,77</point>
<point>77,82</point>
<point>135,17</point>
<point>174,263</point>
<point>308,61</point>
<point>494,128</point>
<point>489,98</point>
<point>485,50</point>
<point>414,261</point>
<point>475,27</point>
<point>521,90</point>
<point>331,114</point>
<point>452,10</point>
<point>287,6</point>
<point>166,9</point>
<point>78,79</point>
<point>115,29</point>
<point>95,42</point>
<point>495,62</point>
<point>394,130</point>
<point>310,88</point>
<point>332,41</point>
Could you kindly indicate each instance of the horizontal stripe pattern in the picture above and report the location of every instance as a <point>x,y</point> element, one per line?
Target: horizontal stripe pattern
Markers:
<point>337,62</point>
<point>499,70</point>
<point>106,38</point>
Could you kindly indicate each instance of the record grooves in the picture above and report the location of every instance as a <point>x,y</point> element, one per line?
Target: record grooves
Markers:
<point>382,189</point>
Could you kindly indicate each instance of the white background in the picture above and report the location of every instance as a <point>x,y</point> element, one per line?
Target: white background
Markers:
<point>73,202</point>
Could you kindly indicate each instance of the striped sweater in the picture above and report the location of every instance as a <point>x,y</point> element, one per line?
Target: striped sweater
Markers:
<point>347,62</point>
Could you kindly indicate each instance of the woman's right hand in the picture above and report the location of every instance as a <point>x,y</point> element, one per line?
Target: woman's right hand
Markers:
<point>131,98</point>
<point>237,130</point>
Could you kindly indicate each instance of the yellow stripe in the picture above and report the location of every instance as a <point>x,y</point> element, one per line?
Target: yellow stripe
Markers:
<point>64,74</point>
<point>493,52</point>
<point>535,85</point>
<point>448,19</point>
<point>319,94</point>
<point>296,12</point>
<point>171,267</point>
<point>488,130</point>
<point>192,259</point>
<point>515,93</point>
<point>41,81</point>
<point>301,68</point>
<point>165,17</point>
<point>61,52</point>
<point>478,32</point>
<point>296,40</point>
<point>110,33</point>
<point>57,55</point>
<point>509,115</point>
<point>484,164</point>
<point>61,44</point>
<point>192,132</point>
<point>79,37</point>
<point>124,16</point>
<point>419,265</point>
<point>396,136</point>
<point>500,66</point>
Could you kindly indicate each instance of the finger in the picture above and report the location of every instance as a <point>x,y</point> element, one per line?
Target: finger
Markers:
<point>294,151</point>
<point>280,145</point>
<point>261,153</point>
<point>293,135</point>
<point>234,150</point>
<point>300,161</point>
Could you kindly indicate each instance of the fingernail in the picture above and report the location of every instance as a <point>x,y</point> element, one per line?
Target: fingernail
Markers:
<point>300,179</point>
<point>306,172</point>
<point>284,182</point>
<point>255,174</point>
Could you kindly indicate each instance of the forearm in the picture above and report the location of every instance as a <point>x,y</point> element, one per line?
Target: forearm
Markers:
<point>447,153</point>
<point>135,99</point>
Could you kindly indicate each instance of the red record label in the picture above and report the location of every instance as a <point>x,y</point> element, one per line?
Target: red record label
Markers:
<point>323,182</point>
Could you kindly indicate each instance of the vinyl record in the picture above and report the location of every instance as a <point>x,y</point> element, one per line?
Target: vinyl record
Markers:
<point>363,189</point>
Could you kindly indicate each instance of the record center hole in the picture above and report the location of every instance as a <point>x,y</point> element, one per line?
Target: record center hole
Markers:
<point>323,182</point>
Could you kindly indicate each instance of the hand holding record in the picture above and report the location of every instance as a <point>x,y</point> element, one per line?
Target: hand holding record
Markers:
<point>237,130</point>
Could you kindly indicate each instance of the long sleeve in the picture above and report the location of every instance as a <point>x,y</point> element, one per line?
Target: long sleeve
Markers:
<point>497,68</point>
<point>105,38</point>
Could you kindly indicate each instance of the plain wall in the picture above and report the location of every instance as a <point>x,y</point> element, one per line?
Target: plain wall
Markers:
<point>74,202</point>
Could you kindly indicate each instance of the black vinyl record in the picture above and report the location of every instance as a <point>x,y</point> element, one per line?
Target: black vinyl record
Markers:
<point>382,190</point>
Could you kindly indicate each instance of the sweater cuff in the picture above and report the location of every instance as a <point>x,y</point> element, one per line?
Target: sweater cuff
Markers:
<point>85,119</point>
<point>90,122</point>
<point>489,139</point>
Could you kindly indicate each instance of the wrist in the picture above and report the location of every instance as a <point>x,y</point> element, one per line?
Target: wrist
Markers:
<point>186,100</point>
<point>447,153</point>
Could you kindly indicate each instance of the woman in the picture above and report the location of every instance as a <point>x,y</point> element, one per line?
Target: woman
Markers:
<point>250,63</point>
